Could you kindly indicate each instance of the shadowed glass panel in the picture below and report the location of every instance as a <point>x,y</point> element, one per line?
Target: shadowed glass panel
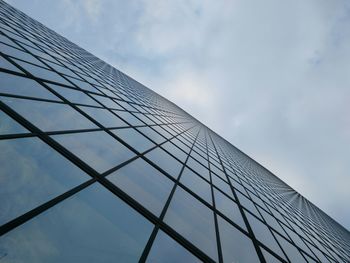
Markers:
<point>91,226</point>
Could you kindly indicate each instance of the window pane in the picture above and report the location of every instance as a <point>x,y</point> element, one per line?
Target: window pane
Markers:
<point>22,86</point>
<point>166,249</point>
<point>165,161</point>
<point>42,73</point>
<point>175,151</point>
<point>263,234</point>
<point>73,95</point>
<point>132,120</point>
<point>7,65</point>
<point>229,208</point>
<point>98,149</point>
<point>49,116</point>
<point>92,226</point>
<point>269,257</point>
<point>200,169</point>
<point>193,220</point>
<point>144,183</point>
<point>291,251</point>
<point>107,102</point>
<point>104,117</point>
<point>154,136</point>
<point>236,247</point>
<point>32,173</point>
<point>196,184</point>
<point>9,125</point>
<point>134,139</point>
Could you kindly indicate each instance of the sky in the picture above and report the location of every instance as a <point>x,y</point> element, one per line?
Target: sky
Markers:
<point>269,76</point>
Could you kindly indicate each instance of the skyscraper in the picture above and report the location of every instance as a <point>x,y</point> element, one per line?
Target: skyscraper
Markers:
<point>95,167</point>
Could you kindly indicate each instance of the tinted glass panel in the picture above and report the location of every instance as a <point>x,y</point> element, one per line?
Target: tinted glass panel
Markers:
<point>198,168</point>
<point>263,234</point>
<point>73,95</point>
<point>132,120</point>
<point>92,226</point>
<point>49,116</point>
<point>236,247</point>
<point>196,184</point>
<point>9,125</point>
<point>7,65</point>
<point>165,161</point>
<point>134,139</point>
<point>32,173</point>
<point>104,117</point>
<point>291,251</point>
<point>175,151</point>
<point>98,149</point>
<point>16,85</point>
<point>154,136</point>
<point>193,220</point>
<point>144,183</point>
<point>166,249</point>
<point>229,208</point>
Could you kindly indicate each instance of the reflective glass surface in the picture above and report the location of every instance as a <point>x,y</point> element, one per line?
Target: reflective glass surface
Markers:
<point>49,116</point>
<point>32,173</point>
<point>16,85</point>
<point>134,139</point>
<point>92,226</point>
<point>9,125</point>
<point>236,247</point>
<point>193,220</point>
<point>166,249</point>
<point>198,185</point>
<point>98,149</point>
<point>263,234</point>
<point>103,116</point>
<point>229,208</point>
<point>165,161</point>
<point>144,183</point>
<point>73,95</point>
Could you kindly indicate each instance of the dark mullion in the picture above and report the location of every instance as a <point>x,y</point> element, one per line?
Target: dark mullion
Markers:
<point>217,232</point>
<point>250,231</point>
<point>162,215</point>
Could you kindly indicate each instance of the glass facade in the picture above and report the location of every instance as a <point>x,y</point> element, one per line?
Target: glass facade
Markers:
<point>96,167</point>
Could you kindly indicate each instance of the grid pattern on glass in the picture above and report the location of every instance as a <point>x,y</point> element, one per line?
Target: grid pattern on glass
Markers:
<point>124,149</point>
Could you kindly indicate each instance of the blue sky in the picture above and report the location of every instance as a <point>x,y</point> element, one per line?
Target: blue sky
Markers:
<point>269,76</point>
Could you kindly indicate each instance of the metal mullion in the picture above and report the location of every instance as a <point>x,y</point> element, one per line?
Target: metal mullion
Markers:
<point>250,231</point>
<point>216,224</point>
<point>142,156</point>
<point>162,215</point>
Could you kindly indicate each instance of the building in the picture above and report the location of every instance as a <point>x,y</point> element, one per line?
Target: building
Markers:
<point>95,167</point>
